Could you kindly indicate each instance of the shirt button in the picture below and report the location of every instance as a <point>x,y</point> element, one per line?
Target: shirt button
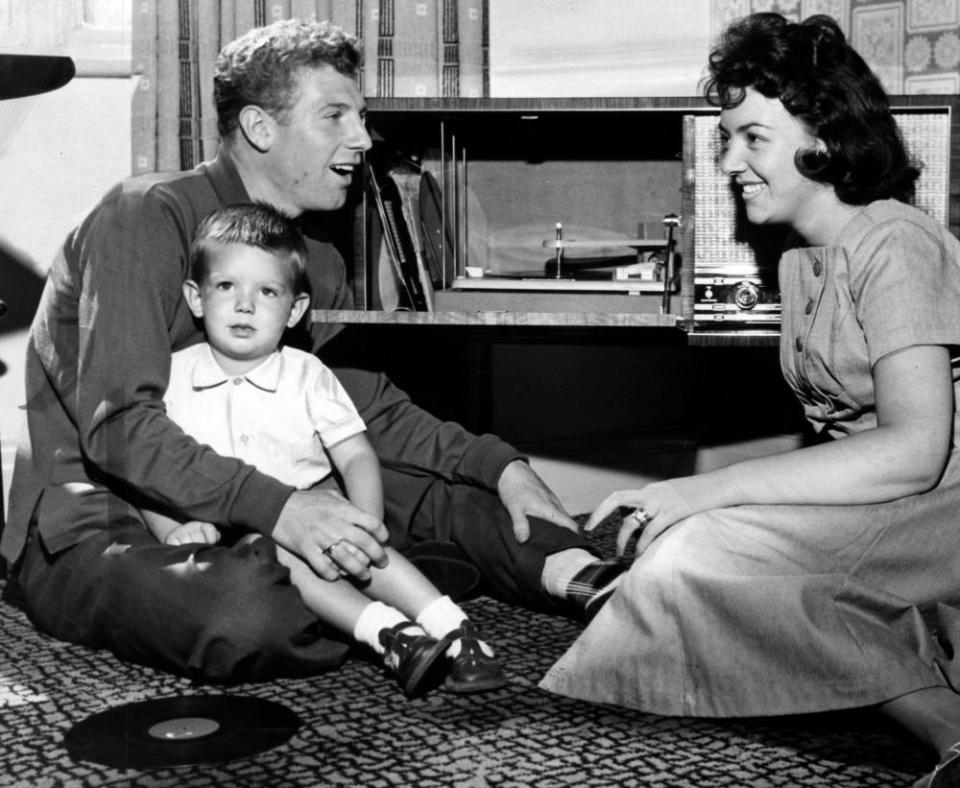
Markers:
<point>817,268</point>
<point>244,439</point>
<point>799,344</point>
<point>808,309</point>
<point>237,381</point>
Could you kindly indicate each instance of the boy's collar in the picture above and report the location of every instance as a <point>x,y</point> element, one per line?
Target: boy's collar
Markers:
<point>207,373</point>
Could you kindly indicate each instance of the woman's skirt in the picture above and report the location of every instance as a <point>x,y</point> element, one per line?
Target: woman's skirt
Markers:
<point>765,610</point>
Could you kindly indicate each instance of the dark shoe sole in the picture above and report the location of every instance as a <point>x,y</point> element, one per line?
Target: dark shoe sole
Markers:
<point>470,687</point>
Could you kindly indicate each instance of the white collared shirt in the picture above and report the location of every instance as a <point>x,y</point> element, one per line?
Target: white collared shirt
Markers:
<point>277,417</point>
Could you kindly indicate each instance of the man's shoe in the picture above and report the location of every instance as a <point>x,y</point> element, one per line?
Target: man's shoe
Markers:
<point>412,656</point>
<point>946,774</point>
<point>474,668</point>
<point>592,586</point>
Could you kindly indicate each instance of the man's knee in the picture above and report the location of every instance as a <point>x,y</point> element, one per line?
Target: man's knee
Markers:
<point>217,613</point>
<point>255,624</point>
<point>476,521</point>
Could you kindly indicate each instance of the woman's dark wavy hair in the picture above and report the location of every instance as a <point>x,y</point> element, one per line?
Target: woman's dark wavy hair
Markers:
<point>261,66</point>
<point>820,79</point>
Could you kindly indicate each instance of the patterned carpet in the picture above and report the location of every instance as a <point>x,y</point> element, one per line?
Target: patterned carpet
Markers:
<point>359,730</point>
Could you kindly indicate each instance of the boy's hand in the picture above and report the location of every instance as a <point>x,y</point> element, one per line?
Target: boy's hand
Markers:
<point>193,532</point>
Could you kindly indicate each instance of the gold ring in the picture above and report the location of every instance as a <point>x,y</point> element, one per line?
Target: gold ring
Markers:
<point>640,515</point>
<point>326,551</point>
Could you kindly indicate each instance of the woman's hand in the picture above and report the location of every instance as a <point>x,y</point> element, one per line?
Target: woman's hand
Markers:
<point>656,507</point>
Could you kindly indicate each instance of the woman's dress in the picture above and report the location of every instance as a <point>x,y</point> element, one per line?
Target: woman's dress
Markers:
<point>785,609</point>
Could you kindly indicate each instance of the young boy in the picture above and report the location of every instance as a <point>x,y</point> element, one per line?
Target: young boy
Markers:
<point>281,410</point>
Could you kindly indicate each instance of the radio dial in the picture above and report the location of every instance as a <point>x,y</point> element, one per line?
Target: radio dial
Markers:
<point>746,295</point>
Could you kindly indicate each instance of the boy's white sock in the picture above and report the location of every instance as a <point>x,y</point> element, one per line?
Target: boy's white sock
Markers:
<point>375,617</point>
<point>441,617</point>
<point>560,568</point>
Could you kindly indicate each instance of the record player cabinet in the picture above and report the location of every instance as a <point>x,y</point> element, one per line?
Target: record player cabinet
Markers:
<point>510,171</point>
<point>565,368</point>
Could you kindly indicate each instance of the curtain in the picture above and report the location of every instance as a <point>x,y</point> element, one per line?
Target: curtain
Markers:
<point>412,48</point>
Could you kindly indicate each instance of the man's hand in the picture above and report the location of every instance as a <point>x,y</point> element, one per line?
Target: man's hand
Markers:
<point>331,534</point>
<point>524,494</point>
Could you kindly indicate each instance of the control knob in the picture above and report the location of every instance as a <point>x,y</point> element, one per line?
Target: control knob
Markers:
<point>746,295</point>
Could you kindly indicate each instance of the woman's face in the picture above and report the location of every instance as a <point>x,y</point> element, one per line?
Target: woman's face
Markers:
<point>760,139</point>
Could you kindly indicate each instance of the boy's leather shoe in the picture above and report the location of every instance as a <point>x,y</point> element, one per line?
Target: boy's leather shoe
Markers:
<point>412,656</point>
<point>474,668</point>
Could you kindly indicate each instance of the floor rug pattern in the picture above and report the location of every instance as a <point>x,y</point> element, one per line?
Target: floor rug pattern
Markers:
<point>359,730</point>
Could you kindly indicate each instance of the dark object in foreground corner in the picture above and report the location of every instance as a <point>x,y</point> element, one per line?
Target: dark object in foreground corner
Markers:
<point>20,76</point>
<point>28,75</point>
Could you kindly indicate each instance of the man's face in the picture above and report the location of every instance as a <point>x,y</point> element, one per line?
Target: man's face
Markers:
<point>318,145</point>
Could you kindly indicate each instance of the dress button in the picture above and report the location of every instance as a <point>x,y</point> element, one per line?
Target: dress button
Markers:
<point>237,381</point>
<point>799,344</point>
<point>817,268</point>
<point>808,309</point>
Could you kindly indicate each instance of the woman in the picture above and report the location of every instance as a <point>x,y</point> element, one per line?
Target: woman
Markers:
<point>813,580</point>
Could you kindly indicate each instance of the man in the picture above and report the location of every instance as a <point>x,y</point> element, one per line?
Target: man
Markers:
<point>292,127</point>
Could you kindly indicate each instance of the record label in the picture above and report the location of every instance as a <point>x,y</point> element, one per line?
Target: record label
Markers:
<point>182,730</point>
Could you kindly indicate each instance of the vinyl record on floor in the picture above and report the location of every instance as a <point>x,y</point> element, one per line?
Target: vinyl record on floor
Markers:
<point>181,730</point>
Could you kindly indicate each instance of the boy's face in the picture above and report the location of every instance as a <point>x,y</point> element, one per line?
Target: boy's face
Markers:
<point>246,301</point>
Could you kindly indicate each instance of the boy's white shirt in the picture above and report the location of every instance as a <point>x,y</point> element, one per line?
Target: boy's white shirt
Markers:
<point>276,417</point>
